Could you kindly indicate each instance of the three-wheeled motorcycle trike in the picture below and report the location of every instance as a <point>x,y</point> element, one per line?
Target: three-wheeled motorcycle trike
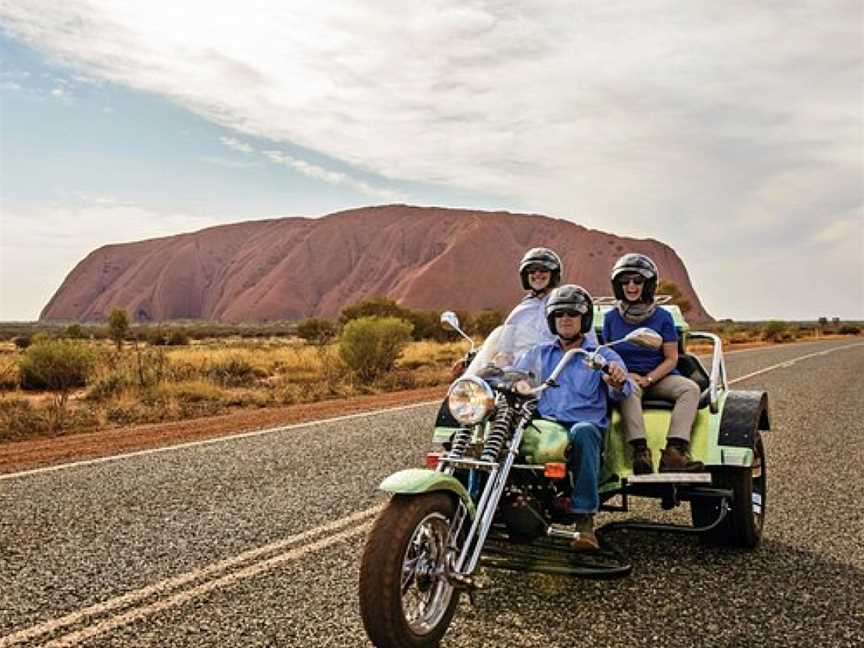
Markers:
<point>491,490</point>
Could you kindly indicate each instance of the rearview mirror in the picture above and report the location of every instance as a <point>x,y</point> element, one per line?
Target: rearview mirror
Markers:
<point>449,318</point>
<point>644,337</point>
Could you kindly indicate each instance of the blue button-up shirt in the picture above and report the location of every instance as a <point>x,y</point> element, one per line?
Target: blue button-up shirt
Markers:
<point>582,393</point>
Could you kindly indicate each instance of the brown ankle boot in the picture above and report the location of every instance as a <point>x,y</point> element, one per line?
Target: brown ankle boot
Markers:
<point>643,462</point>
<point>676,458</point>
<point>586,541</point>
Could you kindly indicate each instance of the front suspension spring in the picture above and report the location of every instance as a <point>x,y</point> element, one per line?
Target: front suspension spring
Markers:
<point>499,431</point>
<point>459,444</point>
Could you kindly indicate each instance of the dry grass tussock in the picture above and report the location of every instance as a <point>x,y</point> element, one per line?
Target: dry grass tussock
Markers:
<point>148,384</point>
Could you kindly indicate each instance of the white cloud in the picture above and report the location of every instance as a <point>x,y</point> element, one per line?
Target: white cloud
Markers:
<point>229,163</point>
<point>57,92</point>
<point>723,129</point>
<point>331,177</point>
<point>9,86</point>
<point>237,145</point>
<point>306,168</point>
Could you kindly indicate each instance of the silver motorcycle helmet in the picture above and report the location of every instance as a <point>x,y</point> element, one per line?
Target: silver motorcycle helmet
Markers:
<point>543,257</point>
<point>570,297</point>
<point>640,264</point>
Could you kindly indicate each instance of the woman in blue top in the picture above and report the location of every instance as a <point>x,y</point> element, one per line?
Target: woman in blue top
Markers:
<point>634,280</point>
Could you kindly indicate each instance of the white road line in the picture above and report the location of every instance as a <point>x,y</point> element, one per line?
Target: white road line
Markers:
<point>183,579</point>
<point>192,444</point>
<point>75,638</point>
<point>789,363</point>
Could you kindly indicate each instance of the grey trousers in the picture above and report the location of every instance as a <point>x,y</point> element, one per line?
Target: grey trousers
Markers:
<point>676,388</point>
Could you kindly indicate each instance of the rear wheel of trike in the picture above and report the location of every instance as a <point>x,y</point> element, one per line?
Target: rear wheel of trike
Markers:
<point>742,526</point>
<point>405,601</point>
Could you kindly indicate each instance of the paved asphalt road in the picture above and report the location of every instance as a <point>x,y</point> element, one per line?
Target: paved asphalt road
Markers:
<point>225,544</point>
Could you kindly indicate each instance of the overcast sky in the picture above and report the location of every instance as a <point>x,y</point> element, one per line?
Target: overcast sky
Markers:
<point>732,131</point>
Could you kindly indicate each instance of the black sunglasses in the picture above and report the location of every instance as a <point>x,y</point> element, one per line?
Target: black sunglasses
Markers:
<point>533,269</point>
<point>567,313</point>
<point>637,279</point>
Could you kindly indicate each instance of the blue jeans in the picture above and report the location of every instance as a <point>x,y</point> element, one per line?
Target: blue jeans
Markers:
<point>586,440</point>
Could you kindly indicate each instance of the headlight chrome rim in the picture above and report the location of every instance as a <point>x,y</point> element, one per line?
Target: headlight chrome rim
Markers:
<point>471,400</point>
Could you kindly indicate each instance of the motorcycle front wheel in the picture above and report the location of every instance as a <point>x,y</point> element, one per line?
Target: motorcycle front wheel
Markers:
<point>405,599</point>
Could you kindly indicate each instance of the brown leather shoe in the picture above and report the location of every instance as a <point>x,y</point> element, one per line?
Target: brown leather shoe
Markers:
<point>586,541</point>
<point>643,463</point>
<point>676,458</point>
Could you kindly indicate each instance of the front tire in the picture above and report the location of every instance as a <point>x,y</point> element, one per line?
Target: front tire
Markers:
<point>405,600</point>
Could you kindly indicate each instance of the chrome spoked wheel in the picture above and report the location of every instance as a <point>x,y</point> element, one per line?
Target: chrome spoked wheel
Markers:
<point>406,600</point>
<point>426,593</point>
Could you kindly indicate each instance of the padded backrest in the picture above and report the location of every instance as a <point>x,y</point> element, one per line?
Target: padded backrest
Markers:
<point>690,367</point>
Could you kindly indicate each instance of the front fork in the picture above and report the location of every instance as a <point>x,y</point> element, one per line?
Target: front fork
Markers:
<point>462,567</point>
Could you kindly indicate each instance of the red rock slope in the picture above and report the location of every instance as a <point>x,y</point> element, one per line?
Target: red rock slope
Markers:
<point>292,268</point>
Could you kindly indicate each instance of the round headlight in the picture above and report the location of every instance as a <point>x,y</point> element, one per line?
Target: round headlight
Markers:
<point>470,400</point>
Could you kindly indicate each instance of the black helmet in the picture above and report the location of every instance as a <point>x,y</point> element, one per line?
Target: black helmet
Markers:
<point>638,263</point>
<point>570,297</point>
<point>543,257</point>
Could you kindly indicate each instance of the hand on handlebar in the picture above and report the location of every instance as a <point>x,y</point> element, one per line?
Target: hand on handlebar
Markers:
<point>614,375</point>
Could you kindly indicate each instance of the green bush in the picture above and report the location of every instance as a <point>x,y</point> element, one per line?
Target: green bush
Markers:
<point>58,365</point>
<point>118,326</point>
<point>849,329</point>
<point>369,346</point>
<point>775,331</point>
<point>74,331</point>
<point>373,307</point>
<point>486,321</point>
<point>317,330</point>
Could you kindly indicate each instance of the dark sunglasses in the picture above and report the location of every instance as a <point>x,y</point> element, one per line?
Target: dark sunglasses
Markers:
<point>637,279</point>
<point>568,313</point>
<point>534,269</point>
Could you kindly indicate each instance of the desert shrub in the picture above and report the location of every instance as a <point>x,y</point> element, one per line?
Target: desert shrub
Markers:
<point>58,365</point>
<point>849,329</point>
<point>74,419</point>
<point>167,337</point>
<point>486,321</point>
<point>317,330</point>
<point>74,331</point>
<point>775,331</point>
<point>19,419</point>
<point>233,371</point>
<point>333,369</point>
<point>372,307</point>
<point>370,345</point>
<point>118,326</point>
<point>22,341</point>
<point>108,386</point>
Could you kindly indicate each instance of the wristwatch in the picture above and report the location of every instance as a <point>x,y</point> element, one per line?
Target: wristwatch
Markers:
<point>649,379</point>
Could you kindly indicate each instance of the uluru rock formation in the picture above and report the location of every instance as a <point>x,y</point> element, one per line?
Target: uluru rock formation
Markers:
<point>291,268</point>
